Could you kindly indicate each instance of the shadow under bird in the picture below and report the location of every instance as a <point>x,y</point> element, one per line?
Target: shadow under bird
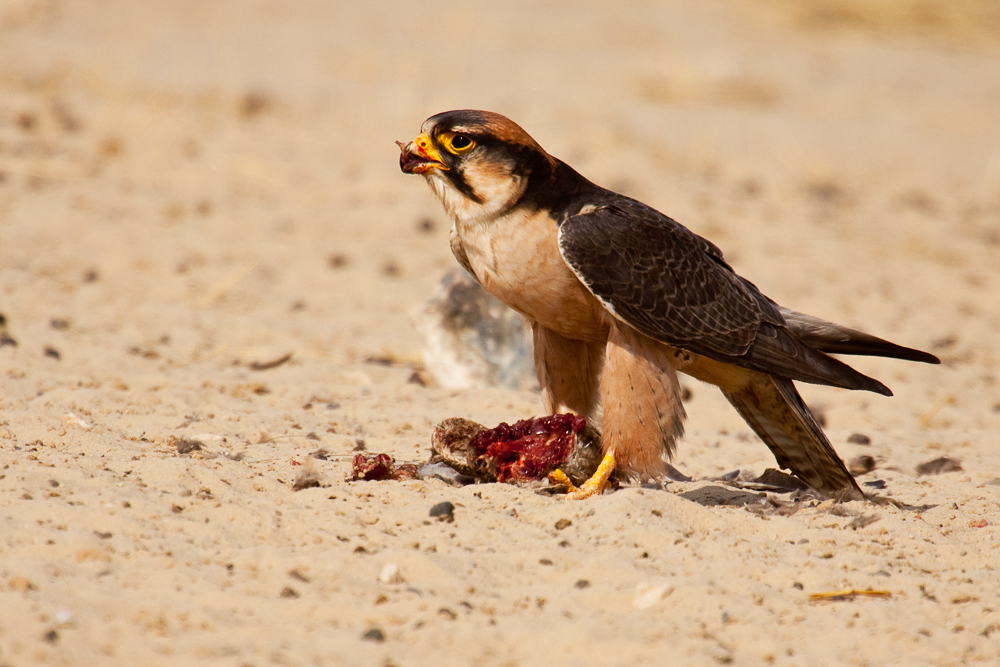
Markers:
<point>621,297</point>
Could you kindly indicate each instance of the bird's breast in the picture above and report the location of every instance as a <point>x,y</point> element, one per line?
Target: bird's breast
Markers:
<point>516,257</point>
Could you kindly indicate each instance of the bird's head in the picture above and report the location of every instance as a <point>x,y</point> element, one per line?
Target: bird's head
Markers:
<point>477,162</point>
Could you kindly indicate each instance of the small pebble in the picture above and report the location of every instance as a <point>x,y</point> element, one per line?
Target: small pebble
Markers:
<point>254,103</point>
<point>26,121</point>
<point>860,465</point>
<point>863,520</point>
<point>581,584</point>
<point>337,261</point>
<point>859,439</point>
<point>938,466</point>
<point>563,523</point>
<point>186,446</point>
<point>648,595</point>
<point>390,574</point>
<point>443,512</point>
<point>374,635</point>
<point>306,479</point>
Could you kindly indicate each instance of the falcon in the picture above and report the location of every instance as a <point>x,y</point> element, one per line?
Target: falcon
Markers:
<point>621,297</point>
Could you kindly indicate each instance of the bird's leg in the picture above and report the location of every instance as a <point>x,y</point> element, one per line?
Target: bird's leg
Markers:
<point>640,394</point>
<point>592,487</point>
<point>568,372</point>
<point>643,415</point>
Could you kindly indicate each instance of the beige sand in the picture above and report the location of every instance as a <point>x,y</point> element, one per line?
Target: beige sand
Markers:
<point>189,187</point>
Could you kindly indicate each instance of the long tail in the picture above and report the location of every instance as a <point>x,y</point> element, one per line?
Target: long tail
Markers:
<point>836,339</point>
<point>775,411</point>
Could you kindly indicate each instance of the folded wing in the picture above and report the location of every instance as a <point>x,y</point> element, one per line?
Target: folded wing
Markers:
<point>672,285</point>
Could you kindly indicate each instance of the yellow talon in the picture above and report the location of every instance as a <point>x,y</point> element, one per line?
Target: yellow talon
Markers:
<point>592,487</point>
<point>559,477</point>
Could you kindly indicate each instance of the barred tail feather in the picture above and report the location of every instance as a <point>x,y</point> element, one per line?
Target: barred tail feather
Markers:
<point>775,411</point>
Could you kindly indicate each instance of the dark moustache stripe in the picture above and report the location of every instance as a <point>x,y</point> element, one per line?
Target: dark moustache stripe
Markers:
<point>457,179</point>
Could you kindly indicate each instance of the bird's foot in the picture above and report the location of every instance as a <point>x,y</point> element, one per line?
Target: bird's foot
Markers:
<point>592,487</point>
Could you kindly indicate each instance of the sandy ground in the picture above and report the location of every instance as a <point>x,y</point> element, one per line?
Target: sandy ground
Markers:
<point>190,187</point>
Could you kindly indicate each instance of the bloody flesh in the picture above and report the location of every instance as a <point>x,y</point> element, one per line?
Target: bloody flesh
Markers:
<point>528,450</point>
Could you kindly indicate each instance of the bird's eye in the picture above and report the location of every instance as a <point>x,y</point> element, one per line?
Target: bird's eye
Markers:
<point>459,143</point>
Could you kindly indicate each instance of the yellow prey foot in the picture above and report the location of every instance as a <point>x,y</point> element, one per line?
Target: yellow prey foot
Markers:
<point>592,487</point>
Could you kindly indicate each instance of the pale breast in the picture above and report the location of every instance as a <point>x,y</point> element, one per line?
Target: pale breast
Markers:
<point>516,257</point>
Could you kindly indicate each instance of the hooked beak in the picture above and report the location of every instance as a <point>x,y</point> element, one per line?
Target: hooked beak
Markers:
<point>419,156</point>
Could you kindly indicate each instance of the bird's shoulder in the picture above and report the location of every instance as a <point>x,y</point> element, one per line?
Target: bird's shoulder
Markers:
<point>615,217</point>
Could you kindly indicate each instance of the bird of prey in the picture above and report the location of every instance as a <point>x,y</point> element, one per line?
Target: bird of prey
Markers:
<point>620,297</point>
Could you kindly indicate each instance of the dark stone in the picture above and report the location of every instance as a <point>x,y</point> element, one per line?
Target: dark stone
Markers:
<point>187,446</point>
<point>860,465</point>
<point>443,512</point>
<point>374,635</point>
<point>938,466</point>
